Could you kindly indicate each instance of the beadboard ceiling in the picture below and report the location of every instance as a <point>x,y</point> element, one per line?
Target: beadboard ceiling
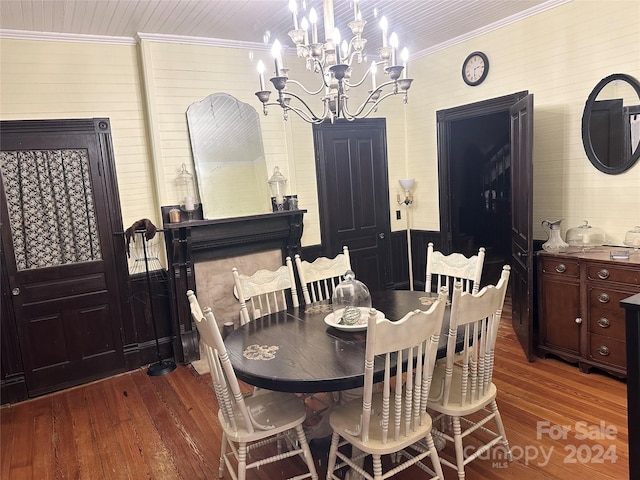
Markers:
<point>421,25</point>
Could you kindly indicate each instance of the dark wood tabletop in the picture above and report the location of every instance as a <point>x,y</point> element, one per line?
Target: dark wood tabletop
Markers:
<point>296,351</point>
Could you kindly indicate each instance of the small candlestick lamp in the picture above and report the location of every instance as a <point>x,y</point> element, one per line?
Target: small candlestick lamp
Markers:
<point>187,190</point>
<point>278,185</point>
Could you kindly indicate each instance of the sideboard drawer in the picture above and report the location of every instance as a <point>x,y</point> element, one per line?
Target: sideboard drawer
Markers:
<point>607,322</point>
<point>616,274</point>
<point>567,268</point>
<point>608,298</point>
<point>607,350</point>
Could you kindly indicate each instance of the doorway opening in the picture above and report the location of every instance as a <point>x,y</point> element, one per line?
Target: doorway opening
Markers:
<point>474,177</point>
<point>480,189</point>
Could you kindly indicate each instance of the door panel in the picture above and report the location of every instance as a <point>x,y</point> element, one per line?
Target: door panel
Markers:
<point>522,222</point>
<point>57,226</point>
<point>353,191</point>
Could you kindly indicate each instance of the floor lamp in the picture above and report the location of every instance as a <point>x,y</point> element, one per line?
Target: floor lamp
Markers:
<point>407,184</point>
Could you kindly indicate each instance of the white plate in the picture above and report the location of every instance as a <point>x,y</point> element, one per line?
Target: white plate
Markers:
<point>330,320</point>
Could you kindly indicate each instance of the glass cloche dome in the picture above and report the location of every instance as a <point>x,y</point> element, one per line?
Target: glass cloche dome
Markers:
<point>632,238</point>
<point>351,301</point>
<point>585,236</point>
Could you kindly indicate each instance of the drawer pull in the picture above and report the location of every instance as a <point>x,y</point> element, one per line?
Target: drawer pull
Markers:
<point>603,298</point>
<point>603,274</point>
<point>578,320</point>
<point>603,322</point>
<point>561,268</point>
<point>603,350</point>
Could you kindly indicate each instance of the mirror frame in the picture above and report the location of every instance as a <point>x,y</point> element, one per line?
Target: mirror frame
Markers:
<point>586,125</point>
<point>211,160</point>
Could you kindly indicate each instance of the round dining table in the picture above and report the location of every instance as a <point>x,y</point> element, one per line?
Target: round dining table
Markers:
<point>295,350</point>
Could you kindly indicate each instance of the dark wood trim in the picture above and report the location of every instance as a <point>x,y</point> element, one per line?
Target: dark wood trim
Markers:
<point>142,349</point>
<point>444,119</point>
<point>201,240</point>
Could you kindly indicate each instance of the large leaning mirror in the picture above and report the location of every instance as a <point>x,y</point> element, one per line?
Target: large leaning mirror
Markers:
<point>226,142</point>
<point>611,124</point>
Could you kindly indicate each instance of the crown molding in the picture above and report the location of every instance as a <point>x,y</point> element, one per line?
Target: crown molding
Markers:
<point>212,42</point>
<point>153,37</point>
<point>65,37</point>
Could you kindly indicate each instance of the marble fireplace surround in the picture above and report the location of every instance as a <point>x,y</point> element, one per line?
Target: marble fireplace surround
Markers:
<point>201,254</point>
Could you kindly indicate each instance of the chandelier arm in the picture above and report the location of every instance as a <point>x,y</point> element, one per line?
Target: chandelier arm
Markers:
<point>304,116</point>
<point>365,76</point>
<point>295,82</point>
<point>354,85</point>
<point>312,115</point>
<point>364,105</point>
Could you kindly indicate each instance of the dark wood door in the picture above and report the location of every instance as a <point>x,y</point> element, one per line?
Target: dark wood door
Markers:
<point>59,213</point>
<point>522,222</point>
<point>353,191</point>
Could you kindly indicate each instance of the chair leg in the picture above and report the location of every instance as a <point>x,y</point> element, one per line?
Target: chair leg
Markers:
<point>377,467</point>
<point>501,430</point>
<point>457,440</point>
<point>435,459</point>
<point>308,458</point>
<point>331,463</point>
<point>223,451</point>
<point>242,461</point>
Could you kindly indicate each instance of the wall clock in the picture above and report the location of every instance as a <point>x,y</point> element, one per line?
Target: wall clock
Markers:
<point>475,68</point>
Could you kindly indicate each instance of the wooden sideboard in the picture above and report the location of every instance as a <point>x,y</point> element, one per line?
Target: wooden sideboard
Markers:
<point>579,315</point>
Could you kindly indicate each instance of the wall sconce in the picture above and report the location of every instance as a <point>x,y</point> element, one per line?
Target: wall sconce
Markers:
<point>278,185</point>
<point>407,185</point>
<point>186,187</point>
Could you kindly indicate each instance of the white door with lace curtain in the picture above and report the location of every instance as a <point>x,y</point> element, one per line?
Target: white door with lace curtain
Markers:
<point>58,248</point>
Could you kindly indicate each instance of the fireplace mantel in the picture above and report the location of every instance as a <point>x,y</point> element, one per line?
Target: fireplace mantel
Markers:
<point>194,241</point>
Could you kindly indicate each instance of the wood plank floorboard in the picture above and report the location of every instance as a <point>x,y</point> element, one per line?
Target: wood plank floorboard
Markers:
<point>136,427</point>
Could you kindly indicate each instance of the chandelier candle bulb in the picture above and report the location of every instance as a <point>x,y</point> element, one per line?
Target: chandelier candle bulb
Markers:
<point>393,40</point>
<point>313,19</point>
<point>305,26</point>
<point>405,62</point>
<point>294,10</point>
<point>384,26</point>
<point>355,10</point>
<point>275,51</point>
<point>336,40</point>
<point>261,74</point>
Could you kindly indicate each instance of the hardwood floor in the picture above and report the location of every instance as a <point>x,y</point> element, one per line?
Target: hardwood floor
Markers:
<point>133,426</point>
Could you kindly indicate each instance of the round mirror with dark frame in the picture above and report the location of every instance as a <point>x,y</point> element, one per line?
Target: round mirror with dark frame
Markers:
<point>611,124</point>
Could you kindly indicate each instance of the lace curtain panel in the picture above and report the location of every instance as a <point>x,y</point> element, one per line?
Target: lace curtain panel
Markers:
<point>51,207</point>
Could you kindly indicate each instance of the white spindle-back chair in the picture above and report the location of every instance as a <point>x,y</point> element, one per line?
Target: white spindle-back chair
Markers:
<point>445,270</point>
<point>265,291</point>
<point>394,417</point>
<point>318,279</point>
<point>250,424</point>
<point>462,385</point>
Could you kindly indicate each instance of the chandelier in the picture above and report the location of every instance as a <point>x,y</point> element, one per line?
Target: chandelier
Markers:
<point>333,62</point>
